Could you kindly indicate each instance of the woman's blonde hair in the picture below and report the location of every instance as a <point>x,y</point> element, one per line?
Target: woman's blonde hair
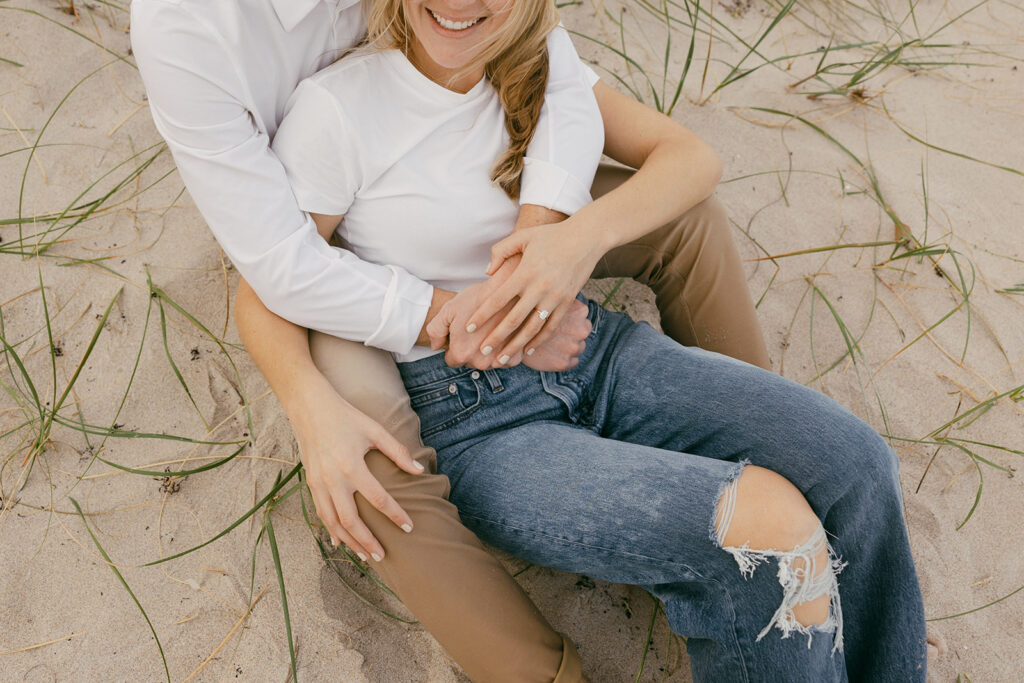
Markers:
<point>515,59</point>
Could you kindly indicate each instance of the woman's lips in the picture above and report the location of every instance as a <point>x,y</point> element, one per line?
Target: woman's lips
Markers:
<point>452,24</point>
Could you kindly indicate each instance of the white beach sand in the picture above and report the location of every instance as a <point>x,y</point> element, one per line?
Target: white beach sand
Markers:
<point>65,616</point>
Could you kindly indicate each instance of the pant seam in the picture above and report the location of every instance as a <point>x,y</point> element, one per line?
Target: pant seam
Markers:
<point>610,551</point>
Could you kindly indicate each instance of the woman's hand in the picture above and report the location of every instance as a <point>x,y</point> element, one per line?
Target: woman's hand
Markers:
<point>559,351</point>
<point>556,261</point>
<point>333,440</point>
<point>466,348</point>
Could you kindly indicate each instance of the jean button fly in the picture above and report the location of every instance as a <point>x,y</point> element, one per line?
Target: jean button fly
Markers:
<point>452,389</point>
<point>475,375</point>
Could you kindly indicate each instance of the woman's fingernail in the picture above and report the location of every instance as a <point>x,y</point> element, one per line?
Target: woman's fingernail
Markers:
<point>486,350</point>
<point>362,556</point>
<point>529,352</point>
<point>376,557</point>
<point>418,466</point>
<point>470,328</point>
<point>407,528</point>
<point>334,541</point>
<point>504,359</point>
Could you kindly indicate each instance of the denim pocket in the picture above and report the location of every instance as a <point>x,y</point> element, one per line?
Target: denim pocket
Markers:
<point>445,402</point>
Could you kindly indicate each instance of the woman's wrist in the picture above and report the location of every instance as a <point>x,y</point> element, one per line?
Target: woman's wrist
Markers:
<point>305,391</point>
<point>593,236</point>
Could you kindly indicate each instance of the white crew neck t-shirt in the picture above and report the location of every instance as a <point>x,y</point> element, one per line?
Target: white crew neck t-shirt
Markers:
<point>410,169</point>
<point>218,75</point>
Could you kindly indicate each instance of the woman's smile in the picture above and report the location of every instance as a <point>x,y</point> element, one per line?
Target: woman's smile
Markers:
<point>454,25</point>
<point>447,35</point>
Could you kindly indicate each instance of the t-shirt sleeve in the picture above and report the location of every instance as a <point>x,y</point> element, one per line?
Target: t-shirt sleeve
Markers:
<point>317,146</point>
<point>562,158</point>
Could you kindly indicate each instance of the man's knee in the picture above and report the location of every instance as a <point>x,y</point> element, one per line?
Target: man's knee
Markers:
<point>700,237</point>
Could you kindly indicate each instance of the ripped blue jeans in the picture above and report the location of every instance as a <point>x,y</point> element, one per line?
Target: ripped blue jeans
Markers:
<point>614,469</point>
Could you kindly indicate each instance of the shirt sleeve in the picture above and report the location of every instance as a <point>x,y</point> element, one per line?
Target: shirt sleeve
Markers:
<point>563,156</point>
<point>242,190</point>
<point>316,145</point>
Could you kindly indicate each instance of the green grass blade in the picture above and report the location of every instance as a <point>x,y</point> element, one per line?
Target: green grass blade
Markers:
<point>269,526</point>
<point>174,366</point>
<point>179,473</point>
<point>961,155</point>
<point>650,637</point>
<point>216,340</point>
<point>88,352</point>
<point>978,609</point>
<point>731,76</point>
<point>238,521</point>
<point>124,583</point>
<point>77,33</point>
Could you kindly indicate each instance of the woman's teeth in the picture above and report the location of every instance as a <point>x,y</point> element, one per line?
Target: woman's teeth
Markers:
<point>452,25</point>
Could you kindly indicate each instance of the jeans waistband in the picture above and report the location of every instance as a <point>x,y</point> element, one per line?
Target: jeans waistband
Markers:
<point>435,369</point>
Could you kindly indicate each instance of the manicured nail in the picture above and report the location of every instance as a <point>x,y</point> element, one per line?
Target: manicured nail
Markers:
<point>334,541</point>
<point>529,352</point>
<point>486,350</point>
<point>504,359</point>
<point>417,466</point>
<point>470,328</point>
<point>362,556</point>
<point>376,557</point>
<point>407,528</point>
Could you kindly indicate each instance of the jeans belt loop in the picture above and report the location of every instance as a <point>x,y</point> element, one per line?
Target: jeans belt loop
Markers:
<point>493,380</point>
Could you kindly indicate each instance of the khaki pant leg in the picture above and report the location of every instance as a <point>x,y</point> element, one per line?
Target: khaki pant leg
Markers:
<point>695,270</point>
<point>459,592</point>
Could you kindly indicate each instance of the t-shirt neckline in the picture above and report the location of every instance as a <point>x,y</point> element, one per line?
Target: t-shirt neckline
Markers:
<point>408,71</point>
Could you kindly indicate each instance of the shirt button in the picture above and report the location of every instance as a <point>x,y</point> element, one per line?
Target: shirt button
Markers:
<point>475,375</point>
<point>452,389</point>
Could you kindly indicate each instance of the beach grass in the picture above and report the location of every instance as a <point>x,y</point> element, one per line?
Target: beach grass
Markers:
<point>890,286</point>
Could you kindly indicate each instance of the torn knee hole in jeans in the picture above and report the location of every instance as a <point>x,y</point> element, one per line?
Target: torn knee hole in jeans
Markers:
<point>800,574</point>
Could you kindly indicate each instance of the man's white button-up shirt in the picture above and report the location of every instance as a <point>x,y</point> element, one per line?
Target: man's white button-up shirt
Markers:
<point>219,75</point>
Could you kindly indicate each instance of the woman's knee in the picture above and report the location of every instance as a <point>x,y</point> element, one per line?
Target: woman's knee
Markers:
<point>859,456</point>
<point>766,512</point>
<point>763,515</point>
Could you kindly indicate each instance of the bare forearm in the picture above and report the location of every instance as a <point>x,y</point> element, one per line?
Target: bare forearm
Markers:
<point>677,175</point>
<point>676,170</point>
<point>531,215</point>
<point>279,348</point>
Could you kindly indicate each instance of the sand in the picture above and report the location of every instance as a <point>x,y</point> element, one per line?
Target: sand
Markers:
<point>65,616</point>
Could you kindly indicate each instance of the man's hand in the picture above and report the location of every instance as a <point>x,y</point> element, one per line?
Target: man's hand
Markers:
<point>564,346</point>
<point>333,440</point>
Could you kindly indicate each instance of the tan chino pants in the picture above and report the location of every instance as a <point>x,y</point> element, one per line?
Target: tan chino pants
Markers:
<point>459,592</point>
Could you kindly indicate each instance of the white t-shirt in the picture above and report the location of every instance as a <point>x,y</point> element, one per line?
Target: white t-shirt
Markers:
<point>218,74</point>
<point>409,168</point>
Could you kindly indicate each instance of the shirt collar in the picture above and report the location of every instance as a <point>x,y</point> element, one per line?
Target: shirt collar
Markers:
<point>291,12</point>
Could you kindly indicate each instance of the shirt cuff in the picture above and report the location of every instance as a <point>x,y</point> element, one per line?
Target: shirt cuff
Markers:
<point>406,303</point>
<point>552,187</point>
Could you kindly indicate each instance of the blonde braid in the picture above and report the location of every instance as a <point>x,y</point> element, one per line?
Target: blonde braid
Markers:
<point>521,88</point>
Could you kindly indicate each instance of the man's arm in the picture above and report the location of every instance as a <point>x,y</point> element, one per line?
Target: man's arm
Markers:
<point>241,188</point>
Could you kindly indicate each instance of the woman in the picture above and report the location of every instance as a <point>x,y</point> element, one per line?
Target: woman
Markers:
<point>648,462</point>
